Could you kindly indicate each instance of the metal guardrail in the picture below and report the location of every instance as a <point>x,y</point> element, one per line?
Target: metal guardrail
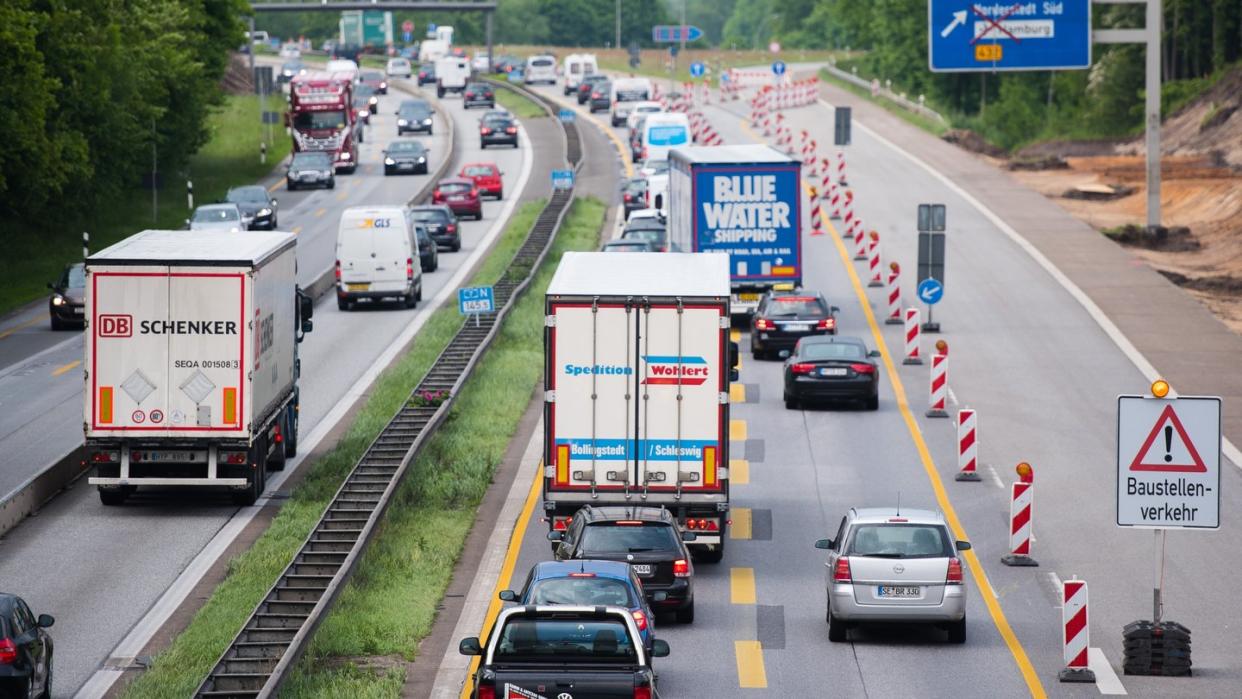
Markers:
<point>274,637</point>
<point>877,90</point>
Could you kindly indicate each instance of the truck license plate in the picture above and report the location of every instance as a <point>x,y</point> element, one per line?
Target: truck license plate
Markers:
<point>643,569</point>
<point>748,297</point>
<point>358,287</point>
<point>179,457</point>
<point>896,592</point>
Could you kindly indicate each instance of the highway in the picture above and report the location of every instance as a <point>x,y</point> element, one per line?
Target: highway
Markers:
<point>1044,376</point>
<point>100,570</point>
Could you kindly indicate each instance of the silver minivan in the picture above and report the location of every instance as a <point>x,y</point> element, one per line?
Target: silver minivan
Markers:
<point>377,257</point>
<point>894,565</point>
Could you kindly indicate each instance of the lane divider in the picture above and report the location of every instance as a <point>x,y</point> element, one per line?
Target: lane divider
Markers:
<point>741,527</point>
<point>739,472</point>
<point>61,370</point>
<point>750,671</point>
<point>737,430</point>
<point>742,585</point>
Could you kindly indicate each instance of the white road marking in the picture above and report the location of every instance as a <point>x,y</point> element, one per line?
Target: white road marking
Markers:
<point>142,632</point>
<point>995,476</point>
<point>1056,585</point>
<point>1106,679</point>
<point>1097,314</point>
<point>952,397</point>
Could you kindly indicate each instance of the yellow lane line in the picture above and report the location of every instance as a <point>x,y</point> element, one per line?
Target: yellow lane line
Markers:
<point>739,472</point>
<point>742,585</point>
<point>275,185</point>
<point>67,367</point>
<point>735,335</point>
<point>506,569</point>
<point>341,196</point>
<point>320,211</point>
<point>297,229</point>
<point>750,672</point>
<point>33,321</point>
<point>740,528</point>
<point>737,393</point>
<point>737,430</point>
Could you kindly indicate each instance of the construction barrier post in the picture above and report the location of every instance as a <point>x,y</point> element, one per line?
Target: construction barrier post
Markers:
<point>1076,632</point>
<point>912,337</point>
<point>1022,496</point>
<point>860,240</point>
<point>894,295</point>
<point>967,446</point>
<point>938,387</point>
<point>873,260</point>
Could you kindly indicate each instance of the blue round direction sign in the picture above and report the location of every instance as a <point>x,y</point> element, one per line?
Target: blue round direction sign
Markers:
<point>931,291</point>
<point>696,69</point>
<point>778,67</point>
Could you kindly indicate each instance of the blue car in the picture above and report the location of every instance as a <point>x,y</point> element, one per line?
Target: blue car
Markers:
<point>587,582</point>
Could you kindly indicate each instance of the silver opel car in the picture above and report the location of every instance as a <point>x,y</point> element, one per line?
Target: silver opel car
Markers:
<point>894,565</point>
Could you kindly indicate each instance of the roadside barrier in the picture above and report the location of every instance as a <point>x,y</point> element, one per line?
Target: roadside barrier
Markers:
<point>841,167</point>
<point>939,384</point>
<point>817,222</point>
<point>873,260</point>
<point>826,185</point>
<point>894,295</point>
<point>1075,632</point>
<point>912,337</point>
<point>1022,495</point>
<point>860,240</point>
<point>836,203</point>
<point>967,446</point>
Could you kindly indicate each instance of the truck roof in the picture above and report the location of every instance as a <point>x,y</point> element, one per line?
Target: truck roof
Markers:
<point>208,248</point>
<point>730,155</point>
<point>641,274</point>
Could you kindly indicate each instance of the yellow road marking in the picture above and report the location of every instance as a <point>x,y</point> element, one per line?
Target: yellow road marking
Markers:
<point>320,211</point>
<point>342,195</point>
<point>735,335</point>
<point>737,393</point>
<point>275,186</point>
<point>750,672</point>
<point>977,573</point>
<point>742,585</point>
<point>739,472</point>
<point>67,367</point>
<point>506,569</point>
<point>740,528</point>
<point>33,321</point>
<point>297,229</point>
<point>737,430</point>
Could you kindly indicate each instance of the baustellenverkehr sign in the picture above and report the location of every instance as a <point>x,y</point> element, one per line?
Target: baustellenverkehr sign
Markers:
<point>1000,35</point>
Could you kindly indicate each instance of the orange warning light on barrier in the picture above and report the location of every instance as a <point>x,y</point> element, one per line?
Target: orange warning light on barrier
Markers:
<point>942,347</point>
<point>1160,388</point>
<point>895,267</point>
<point>1025,473</point>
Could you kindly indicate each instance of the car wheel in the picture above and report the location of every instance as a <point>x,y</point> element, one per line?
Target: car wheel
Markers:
<point>479,216</point>
<point>500,195</point>
<point>343,305</point>
<point>686,616</point>
<point>290,185</point>
<point>57,323</point>
<point>410,300</point>
<point>836,628</point>
<point>791,403</point>
<point>47,680</point>
<point>332,183</point>
<point>873,403</point>
<point>456,246</point>
<point>428,130</point>
<point>387,172</point>
<point>482,145</point>
<point>957,631</point>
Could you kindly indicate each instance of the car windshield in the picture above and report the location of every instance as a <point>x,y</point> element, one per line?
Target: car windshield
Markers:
<point>566,641</point>
<point>651,235</point>
<point>429,216</point>
<point>474,170</point>
<point>898,540</point>
<point>585,589</point>
<point>455,187</point>
<point>831,350</point>
<point>247,194</point>
<point>216,214</point>
<point>311,159</point>
<point>74,277</point>
<point>636,246</point>
<point>319,120</point>
<point>628,538</point>
<point>405,147</point>
<point>796,306</point>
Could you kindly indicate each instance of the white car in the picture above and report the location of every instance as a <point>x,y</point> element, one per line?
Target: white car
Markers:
<point>640,109</point>
<point>290,51</point>
<point>217,217</point>
<point>399,68</point>
<point>481,64</point>
<point>540,69</point>
<point>640,214</point>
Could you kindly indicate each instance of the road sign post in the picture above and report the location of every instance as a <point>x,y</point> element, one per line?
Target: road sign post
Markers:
<point>562,179</point>
<point>930,279</point>
<point>476,300</point>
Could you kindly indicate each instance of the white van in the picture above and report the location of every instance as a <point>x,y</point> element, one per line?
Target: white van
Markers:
<point>452,74</point>
<point>662,132</point>
<point>343,65</point>
<point>432,50</point>
<point>540,69</point>
<point>576,67</point>
<point>626,93</point>
<point>377,257</point>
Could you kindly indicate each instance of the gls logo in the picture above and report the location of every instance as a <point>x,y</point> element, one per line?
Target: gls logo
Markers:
<point>116,325</point>
<point>376,223</point>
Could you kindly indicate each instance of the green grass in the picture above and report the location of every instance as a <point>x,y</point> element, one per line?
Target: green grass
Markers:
<point>390,603</point>
<point>522,106</point>
<point>35,254</point>
<point>178,670</point>
<point>927,124</point>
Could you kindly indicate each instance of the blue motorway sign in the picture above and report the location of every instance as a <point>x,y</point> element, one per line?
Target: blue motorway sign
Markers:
<point>476,299</point>
<point>407,36</point>
<point>931,291</point>
<point>696,69</point>
<point>562,179</point>
<point>778,67</point>
<point>671,33</point>
<point>566,116</point>
<point>1002,35</point>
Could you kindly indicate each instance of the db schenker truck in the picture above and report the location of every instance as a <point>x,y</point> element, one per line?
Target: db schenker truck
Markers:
<point>638,361</point>
<point>192,361</point>
<point>744,201</point>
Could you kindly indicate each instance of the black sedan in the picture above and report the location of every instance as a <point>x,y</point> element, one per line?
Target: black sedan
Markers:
<point>427,74</point>
<point>25,650</point>
<point>258,206</point>
<point>827,367</point>
<point>310,168</point>
<point>441,224</point>
<point>428,251</point>
<point>414,115</point>
<point>405,156</point>
<point>634,195</point>
<point>67,306</point>
<point>588,84</point>
<point>786,315</point>
<point>601,97</point>
<point>498,129</point>
<point>478,94</point>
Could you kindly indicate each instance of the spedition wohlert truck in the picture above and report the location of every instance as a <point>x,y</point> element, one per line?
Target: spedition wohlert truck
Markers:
<point>744,201</point>
<point>638,362</point>
<point>192,360</point>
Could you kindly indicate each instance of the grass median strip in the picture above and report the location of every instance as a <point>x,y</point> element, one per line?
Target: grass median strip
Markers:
<point>521,106</point>
<point>178,670</point>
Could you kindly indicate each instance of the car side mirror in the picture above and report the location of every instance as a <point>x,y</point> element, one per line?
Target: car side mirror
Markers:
<point>45,621</point>
<point>873,353</point>
<point>826,544</point>
<point>836,310</point>
<point>556,536</point>
<point>660,596</point>
<point>306,305</point>
<point>689,536</point>
<point>470,646</point>
<point>659,648</point>
<point>507,596</point>
<point>963,546</point>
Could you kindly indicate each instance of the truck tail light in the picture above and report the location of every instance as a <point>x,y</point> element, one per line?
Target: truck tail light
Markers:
<point>562,464</point>
<point>954,576</point>
<point>642,693</point>
<point>338,270</point>
<point>135,456</point>
<point>764,324</point>
<point>827,324</point>
<point>560,524</point>
<point>8,651</point>
<point>277,435</point>
<point>409,268</point>
<point>233,458</point>
<point>709,467</point>
<point>106,457</point>
<point>487,691</point>
<point>640,619</point>
<point>863,368</point>
<point>841,572</point>
<point>681,568</point>
<point>802,368</point>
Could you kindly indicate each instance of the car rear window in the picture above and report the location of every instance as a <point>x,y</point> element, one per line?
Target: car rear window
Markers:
<point>542,62</point>
<point>628,538</point>
<point>478,170</point>
<point>430,216</point>
<point>899,540</point>
<point>796,305</point>
<point>455,187</point>
<point>831,350</point>
<point>566,641</point>
<point>651,235</point>
<point>583,590</point>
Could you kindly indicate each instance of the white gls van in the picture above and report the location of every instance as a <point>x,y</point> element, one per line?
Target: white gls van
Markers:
<point>540,69</point>
<point>377,257</point>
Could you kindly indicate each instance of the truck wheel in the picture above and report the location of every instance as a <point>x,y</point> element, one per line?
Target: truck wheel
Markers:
<point>281,454</point>
<point>343,305</point>
<point>291,437</point>
<point>686,616</point>
<point>115,498</point>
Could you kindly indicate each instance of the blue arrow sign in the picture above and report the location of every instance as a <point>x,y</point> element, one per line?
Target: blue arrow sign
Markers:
<point>671,33</point>
<point>696,69</point>
<point>974,36</point>
<point>778,67</point>
<point>407,36</point>
<point>931,291</point>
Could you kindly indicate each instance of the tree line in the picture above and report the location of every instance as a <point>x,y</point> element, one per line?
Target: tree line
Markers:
<point>92,85</point>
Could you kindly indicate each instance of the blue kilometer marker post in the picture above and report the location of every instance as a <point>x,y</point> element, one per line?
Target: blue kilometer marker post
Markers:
<point>993,35</point>
<point>475,300</point>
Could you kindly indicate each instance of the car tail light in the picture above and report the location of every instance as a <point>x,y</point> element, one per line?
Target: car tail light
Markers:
<point>642,693</point>
<point>681,568</point>
<point>802,368</point>
<point>8,651</point>
<point>764,324</point>
<point>338,270</point>
<point>640,620</point>
<point>409,268</point>
<point>841,572</point>
<point>955,572</point>
<point>827,324</point>
<point>594,95</point>
<point>630,522</point>
<point>511,130</point>
<point>485,131</point>
<point>863,368</point>
<point>629,197</point>
<point>474,192</point>
<point>582,575</point>
<point>487,691</point>
<point>644,155</point>
<point>436,194</point>
<point>451,228</point>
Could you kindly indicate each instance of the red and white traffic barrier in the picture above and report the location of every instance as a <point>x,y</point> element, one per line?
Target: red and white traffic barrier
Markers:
<point>860,240</point>
<point>826,184</point>
<point>835,203</point>
<point>817,222</point>
<point>841,167</point>
<point>873,260</point>
<point>812,162</point>
<point>894,295</point>
<point>938,386</point>
<point>1075,632</point>
<point>1022,497</point>
<point>912,337</point>
<point>967,446</point>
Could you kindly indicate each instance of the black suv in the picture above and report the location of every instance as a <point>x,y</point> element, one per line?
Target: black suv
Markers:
<point>310,168</point>
<point>25,650</point>
<point>477,94</point>
<point>634,195</point>
<point>441,224</point>
<point>588,85</point>
<point>497,129</point>
<point>787,314</point>
<point>647,538</point>
<point>414,115</point>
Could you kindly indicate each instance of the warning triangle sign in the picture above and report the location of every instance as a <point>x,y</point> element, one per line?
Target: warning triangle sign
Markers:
<point>1168,448</point>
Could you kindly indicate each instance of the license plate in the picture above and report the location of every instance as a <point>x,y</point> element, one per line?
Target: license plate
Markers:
<point>748,297</point>
<point>311,177</point>
<point>406,166</point>
<point>832,372</point>
<point>896,592</point>
<point>457,198</point>
<point>643,569</point>
<point>357,287</point>
<point>796,327</point>
<point>170,456</point>
<point>79,310</point>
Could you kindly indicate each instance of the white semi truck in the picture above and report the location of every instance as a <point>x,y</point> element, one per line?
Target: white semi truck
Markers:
<point>638,362</point>
<point>192,361</point>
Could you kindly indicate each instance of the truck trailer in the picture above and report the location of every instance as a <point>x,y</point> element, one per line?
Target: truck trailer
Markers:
<point>638,362</point>
<point>744,201</point>
<point>192,361</point>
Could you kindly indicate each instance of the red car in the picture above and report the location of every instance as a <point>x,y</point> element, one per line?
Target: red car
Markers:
<point>486,177</point>
<point>460,195</point>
